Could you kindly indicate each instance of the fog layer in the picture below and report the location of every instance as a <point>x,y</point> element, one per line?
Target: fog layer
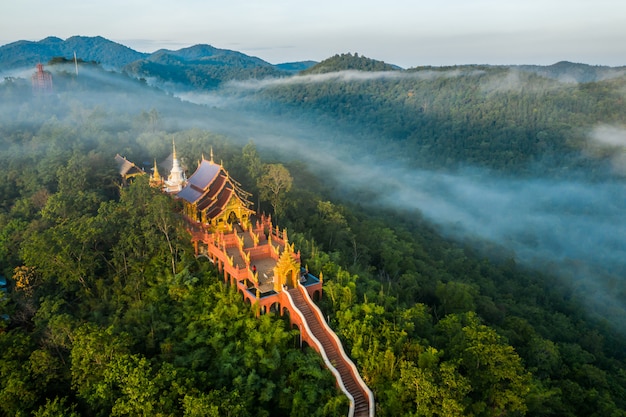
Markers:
<point>572,227</point>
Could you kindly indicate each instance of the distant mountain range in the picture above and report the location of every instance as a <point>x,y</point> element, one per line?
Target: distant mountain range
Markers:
<point>198,66</point>
<point>206,67</point>
<point>27,53</point>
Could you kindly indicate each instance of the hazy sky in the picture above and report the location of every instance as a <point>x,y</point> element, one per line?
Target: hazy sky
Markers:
<point>403,32</point>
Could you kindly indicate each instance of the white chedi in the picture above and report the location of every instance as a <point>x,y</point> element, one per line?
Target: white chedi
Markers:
<point>177,179</point>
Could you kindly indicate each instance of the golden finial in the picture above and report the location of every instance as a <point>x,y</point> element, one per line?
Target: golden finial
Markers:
<point>211,154</point>
<point>174,149</point>
<point>156,175</point>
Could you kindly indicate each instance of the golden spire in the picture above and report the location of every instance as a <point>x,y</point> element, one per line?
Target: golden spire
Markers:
<point>156,175</point>
<point>174,149</point>
<point>211,154</point>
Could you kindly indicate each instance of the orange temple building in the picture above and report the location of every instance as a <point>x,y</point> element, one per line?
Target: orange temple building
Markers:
<point>41,81</point>
<point>259,261</point>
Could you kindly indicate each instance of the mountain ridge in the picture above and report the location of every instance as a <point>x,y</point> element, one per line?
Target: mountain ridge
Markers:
<point>27,53</point>
<point>110,54</point>
<point>119,57</point>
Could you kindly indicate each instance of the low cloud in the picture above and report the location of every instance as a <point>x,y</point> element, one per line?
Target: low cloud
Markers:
<point>609,135</point>
<point>609,141</point>
<point>347,76</point>
<point>574,228</point>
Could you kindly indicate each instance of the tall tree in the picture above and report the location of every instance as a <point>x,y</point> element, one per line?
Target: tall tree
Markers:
<point>274,184</point>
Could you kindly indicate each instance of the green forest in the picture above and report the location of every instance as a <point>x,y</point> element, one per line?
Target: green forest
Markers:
<point>108,312</point>
<point>502,118</point>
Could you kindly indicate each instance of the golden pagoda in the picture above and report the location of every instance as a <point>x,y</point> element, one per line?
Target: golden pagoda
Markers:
<point>155,178</point>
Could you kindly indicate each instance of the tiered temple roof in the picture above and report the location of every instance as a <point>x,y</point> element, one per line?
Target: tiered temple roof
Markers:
<point>210,194</point>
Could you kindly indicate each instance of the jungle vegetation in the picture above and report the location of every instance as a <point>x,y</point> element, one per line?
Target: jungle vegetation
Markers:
<point>509,119</point>
<point>109,313</point>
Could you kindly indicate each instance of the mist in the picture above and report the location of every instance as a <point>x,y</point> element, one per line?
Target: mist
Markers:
<point>570,227</point>
<point>347,76</point>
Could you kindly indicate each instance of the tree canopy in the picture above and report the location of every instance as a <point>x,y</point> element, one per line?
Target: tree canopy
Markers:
<point>109,313</point>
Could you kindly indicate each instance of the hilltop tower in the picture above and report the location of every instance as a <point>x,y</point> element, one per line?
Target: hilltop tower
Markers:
<point>41,81</point>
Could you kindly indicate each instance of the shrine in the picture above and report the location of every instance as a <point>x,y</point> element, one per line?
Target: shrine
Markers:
<point>257,259</point>
<point>127,169</point>
<point>251,253</point>
<point>212,198</point>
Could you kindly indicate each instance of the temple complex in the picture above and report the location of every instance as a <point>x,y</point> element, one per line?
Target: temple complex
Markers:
<point>257,259</point>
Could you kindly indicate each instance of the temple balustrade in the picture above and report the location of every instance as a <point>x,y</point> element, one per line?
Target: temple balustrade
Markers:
<point>260,252</point>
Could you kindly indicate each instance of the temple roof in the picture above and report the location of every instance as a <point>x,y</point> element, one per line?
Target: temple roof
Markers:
<point>200,181</point>
<point>205,174</point>
<point>210,188</point>
<point>127,168</point>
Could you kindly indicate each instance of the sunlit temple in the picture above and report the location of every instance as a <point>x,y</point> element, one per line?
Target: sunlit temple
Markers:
<point>257,259</point>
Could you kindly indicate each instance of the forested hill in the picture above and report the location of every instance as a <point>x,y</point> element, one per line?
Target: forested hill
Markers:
<point>98,49</point>
<point>345,62</point>
<point>195,67</point>
<point>108,313</point>
<point>201,67</point>
<point>502,118</point>
<point>578,73</point>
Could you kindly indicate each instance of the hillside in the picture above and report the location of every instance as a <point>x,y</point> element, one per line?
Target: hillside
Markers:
<point>469,222</point>
<point>495,117</point>
<point>195,67</point>
<point>346,62</point>
<point>100,324</point>
<point>200,67</point>
<point>27,54</point>
<point>296,66</point>
<point>569,72</point>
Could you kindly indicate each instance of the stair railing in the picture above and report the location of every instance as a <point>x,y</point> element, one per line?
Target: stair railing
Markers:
<point>322,351</point>
<point>368,393</point>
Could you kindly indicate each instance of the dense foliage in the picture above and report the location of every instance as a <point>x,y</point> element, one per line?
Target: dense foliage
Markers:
<point>496,117</point>
<point>345,62</point>
<point>208,71</point>
<point>108,53</point>
<point>109,313</point>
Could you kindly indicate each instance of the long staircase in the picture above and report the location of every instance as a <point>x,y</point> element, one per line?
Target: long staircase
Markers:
<point>347,375</point>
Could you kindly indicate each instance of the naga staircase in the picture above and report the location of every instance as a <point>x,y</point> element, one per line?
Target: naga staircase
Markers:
<point>316,332</point>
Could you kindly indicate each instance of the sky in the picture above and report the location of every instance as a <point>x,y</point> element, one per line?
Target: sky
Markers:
<point>407,33</point>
